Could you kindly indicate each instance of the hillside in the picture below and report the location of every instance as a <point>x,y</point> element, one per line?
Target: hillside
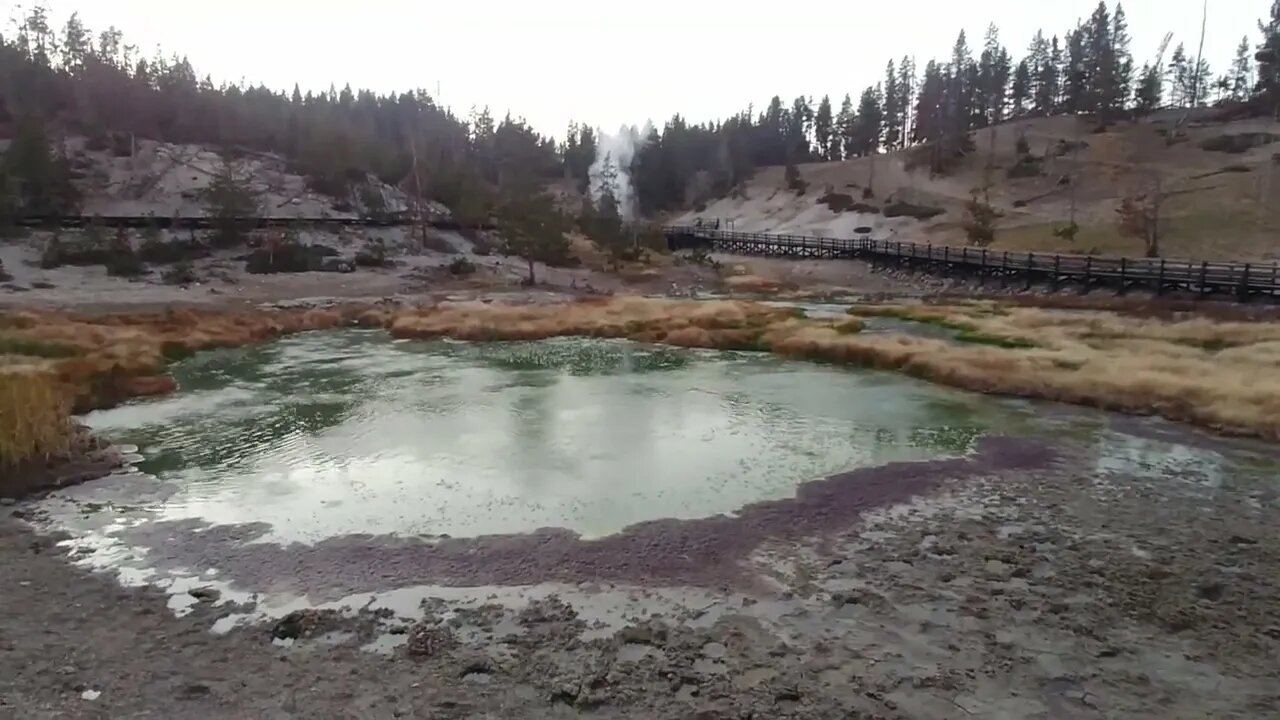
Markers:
<point>1219,205</point>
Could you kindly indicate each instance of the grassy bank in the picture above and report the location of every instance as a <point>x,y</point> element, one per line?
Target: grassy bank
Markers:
<point>1221,375</point>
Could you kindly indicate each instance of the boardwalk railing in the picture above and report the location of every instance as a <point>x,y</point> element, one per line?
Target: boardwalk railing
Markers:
<point>200,222</point>
<point>1159,275</point>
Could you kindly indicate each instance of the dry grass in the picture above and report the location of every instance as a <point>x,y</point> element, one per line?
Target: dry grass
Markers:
<point>1223,375</point>
<point>34,408</point>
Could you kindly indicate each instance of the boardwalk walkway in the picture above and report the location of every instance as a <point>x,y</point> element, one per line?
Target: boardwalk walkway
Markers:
<point>1086,272</point>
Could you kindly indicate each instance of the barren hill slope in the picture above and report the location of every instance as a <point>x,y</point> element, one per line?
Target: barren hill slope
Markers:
<point>1220,204</point>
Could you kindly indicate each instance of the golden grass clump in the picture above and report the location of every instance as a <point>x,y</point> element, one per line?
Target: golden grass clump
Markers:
<point>1223,375</point>
<point>34,409</point>
<point>718,323</point>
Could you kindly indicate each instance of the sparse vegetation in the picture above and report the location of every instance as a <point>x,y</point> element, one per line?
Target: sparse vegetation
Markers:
<point>181,273</point>
<point>373,254</point>
<point>902,208</point>
<point>980,221</point>
<point>461,267</point>
<point>34,416</point>
<point>1238,143</point>
<point>231,201</point>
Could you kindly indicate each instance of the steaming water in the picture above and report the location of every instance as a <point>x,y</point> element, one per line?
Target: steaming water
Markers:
<point>348,432</point>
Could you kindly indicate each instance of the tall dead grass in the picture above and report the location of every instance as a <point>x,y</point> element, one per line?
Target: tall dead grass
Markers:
<point>34,409</point>
<point>1223,375</point>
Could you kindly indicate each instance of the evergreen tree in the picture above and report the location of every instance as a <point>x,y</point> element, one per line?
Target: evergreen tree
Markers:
<point>1241,76</point>
<point>1150,90</point>
<point>232,203</point>
<point>906,96</point>
<point>1120,85</point>
<point>1179,77</point>
<point>1021,89</point>
<point>891,114</point>
<point>991,89</point>
<point>824,131</point>
<point>1268,56</point>
<point>1076,80</point>
<point>843,130</point>
<point>532,227</point>
<point>39,173</point>
<point>869,123</point>
<point>1043,69</point>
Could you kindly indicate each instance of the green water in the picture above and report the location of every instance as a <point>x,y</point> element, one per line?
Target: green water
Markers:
<point>345,432</point>
<point>348,432</point>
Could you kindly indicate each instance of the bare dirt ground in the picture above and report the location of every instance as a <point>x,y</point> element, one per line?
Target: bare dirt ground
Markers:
<point>1024,582</point>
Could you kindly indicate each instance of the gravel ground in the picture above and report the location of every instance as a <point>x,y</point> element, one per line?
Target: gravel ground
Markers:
<point>1059,589</point>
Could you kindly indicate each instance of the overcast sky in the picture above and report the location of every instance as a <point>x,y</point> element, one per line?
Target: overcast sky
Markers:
<point>608,63</point>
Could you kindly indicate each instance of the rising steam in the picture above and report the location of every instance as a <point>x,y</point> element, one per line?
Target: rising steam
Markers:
<point>619,150</point>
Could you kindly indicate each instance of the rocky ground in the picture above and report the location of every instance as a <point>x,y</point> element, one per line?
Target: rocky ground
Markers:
<point>1046,586</point>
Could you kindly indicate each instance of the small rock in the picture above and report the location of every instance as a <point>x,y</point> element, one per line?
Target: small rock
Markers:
<point>8,502</point>
<point>1242,540</point>
<point>90,695</point>
<point>1212,592</point>
<point>205,593</point>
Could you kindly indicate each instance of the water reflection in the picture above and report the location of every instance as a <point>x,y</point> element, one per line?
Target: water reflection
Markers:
<point>345,432</point>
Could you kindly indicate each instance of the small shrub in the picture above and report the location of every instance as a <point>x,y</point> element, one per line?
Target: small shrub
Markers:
<point>1067,147</point>
<point>1022,146</point>
<point>180,274</point>
<point>1027,166</point>
<point>795,182</point>
<point>373,254</point>
<point>461,267</point>
<point>902,208</point>
<point>837,202</point>
<point>4,275</point>
<point>125,264</point>
<point>980,222</point>
<point>1238,143</point>
<point>155,250</point>
<point>1067,232</point>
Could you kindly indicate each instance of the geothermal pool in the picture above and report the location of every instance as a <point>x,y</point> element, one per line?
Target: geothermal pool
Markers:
<point>348,432</point>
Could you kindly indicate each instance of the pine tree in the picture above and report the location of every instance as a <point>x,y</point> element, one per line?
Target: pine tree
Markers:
<point>891,113</point>
<point>1268,56</point>
<point>869,123</point>
<point>906,96</point>
<point>1179,77</point>
<point>824,131</point>
<point>39,173</point>
<point>1057,71</point>
<point>1241,76</point>
<point>843,130</point>
<point>1043,70</point>
<point>1021,90</point>
<point>992,86</point>
<point>1121,80</point>
<point>1150,90</point>
<point>1077,85</point>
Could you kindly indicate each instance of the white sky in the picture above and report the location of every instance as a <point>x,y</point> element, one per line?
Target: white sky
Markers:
<point>608,63</point>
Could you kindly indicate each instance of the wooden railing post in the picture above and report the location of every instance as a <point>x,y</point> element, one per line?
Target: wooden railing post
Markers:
<point>1160,279</point>
<point>1244,284</point>
<point>982,270</point>
<point>1123,262</point>
<point>1031,265</point>
<point>1088,272</point>
<point>1057,270</point>
<point>1204,274</point>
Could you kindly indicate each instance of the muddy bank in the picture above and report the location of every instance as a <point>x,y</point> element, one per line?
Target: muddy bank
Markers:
<point>704,552</point>
<point>1046,592</point>
<point>86,458</point>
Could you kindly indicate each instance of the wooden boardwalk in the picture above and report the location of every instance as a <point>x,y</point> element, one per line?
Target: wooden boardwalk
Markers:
<point>199,222</point>
<point>1004,268</point>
